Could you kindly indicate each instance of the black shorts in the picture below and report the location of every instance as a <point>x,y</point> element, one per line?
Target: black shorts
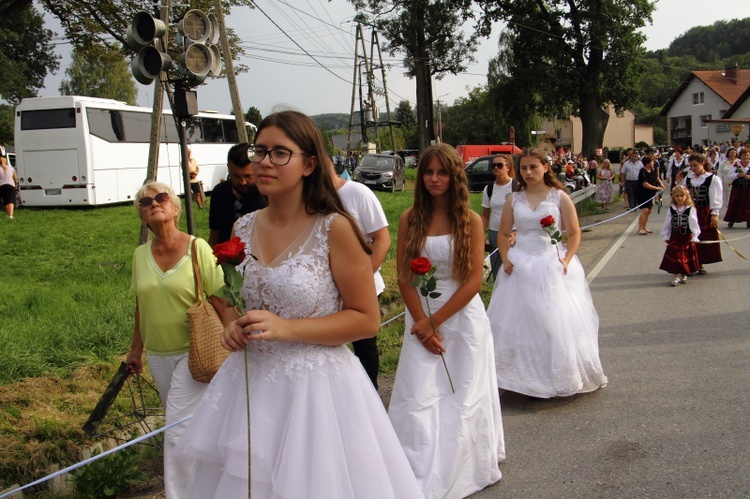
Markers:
<point>195,187</point>
<point>7,194</point>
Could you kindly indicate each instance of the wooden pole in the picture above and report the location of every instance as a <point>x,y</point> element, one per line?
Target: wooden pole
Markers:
<point>239,114</point>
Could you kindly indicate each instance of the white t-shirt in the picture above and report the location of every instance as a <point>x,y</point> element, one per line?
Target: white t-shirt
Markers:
<point>499,194</point>
<point>364,207</point>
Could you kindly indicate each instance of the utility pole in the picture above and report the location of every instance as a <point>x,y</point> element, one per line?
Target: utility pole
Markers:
<point>239,113</point>
<point>376,42</point>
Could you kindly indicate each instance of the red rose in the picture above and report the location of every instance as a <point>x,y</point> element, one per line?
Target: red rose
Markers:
<point>420,265</point>
<point>547,221</point>
<point>232,251</point>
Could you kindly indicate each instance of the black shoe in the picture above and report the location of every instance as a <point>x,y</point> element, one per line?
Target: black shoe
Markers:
<point>747,224</point>
<point>730,224</point>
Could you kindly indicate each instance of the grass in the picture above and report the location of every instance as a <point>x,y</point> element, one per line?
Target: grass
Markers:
<point>68,319</point>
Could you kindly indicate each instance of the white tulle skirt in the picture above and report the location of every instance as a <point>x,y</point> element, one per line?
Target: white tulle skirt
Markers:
<point>319,430</point>
<point>545,327</point>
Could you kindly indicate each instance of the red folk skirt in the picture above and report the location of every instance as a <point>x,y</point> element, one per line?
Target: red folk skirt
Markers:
<point>681,255</point>
<point>738,209</point>
<point>707,253</point>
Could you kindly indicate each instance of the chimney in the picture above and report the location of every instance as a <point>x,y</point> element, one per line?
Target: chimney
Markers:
<point>732,74</point>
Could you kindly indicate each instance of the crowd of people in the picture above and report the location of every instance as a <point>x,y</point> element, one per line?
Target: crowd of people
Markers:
<point>314,243</point>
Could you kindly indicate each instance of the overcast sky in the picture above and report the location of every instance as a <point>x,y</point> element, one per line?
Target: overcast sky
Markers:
<point>321,82</point>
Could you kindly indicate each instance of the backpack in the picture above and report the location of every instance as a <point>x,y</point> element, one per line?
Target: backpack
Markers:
<point>491,187</point>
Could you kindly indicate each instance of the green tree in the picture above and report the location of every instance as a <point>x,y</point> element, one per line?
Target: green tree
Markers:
<point>27,55</point>
<point>6,124</point>
<point>253,116</point>
<point>574,54</point>
<point>404,114</point>
<point>99,71</point>
<point>429,33</point>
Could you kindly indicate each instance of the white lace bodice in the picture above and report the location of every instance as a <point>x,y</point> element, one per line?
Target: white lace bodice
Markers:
<point>298,284</point>
<point>531,237</point>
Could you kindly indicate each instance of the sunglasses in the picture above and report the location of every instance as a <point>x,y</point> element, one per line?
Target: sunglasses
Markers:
<point>147,201</point>
<point>498,165</point>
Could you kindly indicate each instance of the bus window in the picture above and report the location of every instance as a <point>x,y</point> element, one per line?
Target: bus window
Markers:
<point>169,130</point>
<point>194,132</point>
<point>212,131</point>
<point>106,124</point>
<point>137,126</point>
<point>45,119</point>
<point>230,131</point>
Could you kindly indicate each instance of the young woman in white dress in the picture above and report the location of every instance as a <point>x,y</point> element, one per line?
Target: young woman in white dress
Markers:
<point>453,440</point>
<point>318,427</point>
<point>544,324</point>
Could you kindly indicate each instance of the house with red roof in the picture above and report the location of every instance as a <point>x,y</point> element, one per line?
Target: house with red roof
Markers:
<point>698,113</point>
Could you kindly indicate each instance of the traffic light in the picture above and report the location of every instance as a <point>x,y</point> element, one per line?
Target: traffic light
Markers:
<point>142,36</point>
<point>201,56</point>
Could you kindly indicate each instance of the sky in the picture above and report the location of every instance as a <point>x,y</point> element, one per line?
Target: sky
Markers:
<point>282,76</point>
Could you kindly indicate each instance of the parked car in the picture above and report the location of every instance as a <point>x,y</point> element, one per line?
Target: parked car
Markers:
<point>382,171</point>
<point>480,172</point>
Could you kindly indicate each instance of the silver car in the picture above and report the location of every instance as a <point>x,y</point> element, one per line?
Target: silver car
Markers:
<point>382,171</point>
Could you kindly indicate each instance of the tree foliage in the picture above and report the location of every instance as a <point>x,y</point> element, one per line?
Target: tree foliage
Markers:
<point>721,40</point>
<point>6,124</point>
<point>99,71</point>
<point>404,114</point>
<point>27,55</point>
<point>253,116</point>
<point>572,54</point>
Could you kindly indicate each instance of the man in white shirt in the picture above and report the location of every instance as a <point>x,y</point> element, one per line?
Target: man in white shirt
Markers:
<point>363,205</point>
<point>629,174</point>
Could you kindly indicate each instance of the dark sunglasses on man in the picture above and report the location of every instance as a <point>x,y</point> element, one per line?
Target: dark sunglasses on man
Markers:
<point>147,201</point>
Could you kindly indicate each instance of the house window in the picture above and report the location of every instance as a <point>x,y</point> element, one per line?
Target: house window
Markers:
<point>704,120</point>
<point>698,98</point>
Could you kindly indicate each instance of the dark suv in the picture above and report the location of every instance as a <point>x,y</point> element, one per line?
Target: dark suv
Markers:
<point>383,171</point>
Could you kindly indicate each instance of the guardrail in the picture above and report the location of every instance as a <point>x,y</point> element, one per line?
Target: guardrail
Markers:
<point>582,194</point>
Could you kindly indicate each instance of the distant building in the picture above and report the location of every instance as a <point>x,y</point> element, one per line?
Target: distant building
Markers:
<point>708,107</point>
<point>621,132</point>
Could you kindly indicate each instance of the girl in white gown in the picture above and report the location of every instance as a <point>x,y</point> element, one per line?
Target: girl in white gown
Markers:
<point>318,427</point>
<point>544,324</point>
<point>454,441</point>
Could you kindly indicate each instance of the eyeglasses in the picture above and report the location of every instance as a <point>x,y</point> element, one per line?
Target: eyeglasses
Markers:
<point>278,157</point>
<point>498,165</point>
<point>147,201</point>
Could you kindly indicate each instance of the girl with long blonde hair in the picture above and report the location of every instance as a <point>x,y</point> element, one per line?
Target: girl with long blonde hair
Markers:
<point>445,411</point>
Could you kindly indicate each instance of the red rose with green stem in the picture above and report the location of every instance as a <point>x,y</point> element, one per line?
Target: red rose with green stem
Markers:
<point>426,282</point>
<point>229,255</point>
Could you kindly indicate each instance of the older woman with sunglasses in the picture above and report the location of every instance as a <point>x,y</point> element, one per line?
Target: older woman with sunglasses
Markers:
<point>164,289</point>
<point>493,200</point>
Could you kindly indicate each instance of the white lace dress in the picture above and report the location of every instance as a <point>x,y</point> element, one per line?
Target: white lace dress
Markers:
<point>319,429</point>
<point>454,441</point>
<point>544,324</point>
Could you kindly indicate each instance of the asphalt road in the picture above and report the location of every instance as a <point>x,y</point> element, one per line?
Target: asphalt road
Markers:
<point>674,420</point>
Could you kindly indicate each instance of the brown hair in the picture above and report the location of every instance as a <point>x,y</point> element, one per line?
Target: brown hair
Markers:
<point>318,190</point>
<point>549,177</point>
<point>458,216</point>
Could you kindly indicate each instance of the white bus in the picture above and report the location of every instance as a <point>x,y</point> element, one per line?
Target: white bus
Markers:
<point>86,151</point>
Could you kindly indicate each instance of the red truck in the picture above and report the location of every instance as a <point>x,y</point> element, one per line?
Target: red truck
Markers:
<point>470,152</point>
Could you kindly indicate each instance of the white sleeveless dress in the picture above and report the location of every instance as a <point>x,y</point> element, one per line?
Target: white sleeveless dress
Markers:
<point>544,324</point>
<point>319,428</point>
<point>454,441</point>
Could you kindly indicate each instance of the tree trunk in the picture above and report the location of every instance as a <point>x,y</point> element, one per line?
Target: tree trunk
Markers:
<point>593,123</point>
<point>422,76</point>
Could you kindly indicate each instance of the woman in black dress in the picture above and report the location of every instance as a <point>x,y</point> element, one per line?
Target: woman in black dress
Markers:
<point>648,185</point>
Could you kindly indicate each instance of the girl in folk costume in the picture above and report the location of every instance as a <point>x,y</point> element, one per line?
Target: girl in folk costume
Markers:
<point>726,166</point>
<point>739,200</point>
<point>677,164</point>
<point>680,231</point>
<point>706,191</point>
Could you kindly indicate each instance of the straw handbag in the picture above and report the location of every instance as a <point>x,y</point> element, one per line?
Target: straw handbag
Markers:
<point>206,354</point>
